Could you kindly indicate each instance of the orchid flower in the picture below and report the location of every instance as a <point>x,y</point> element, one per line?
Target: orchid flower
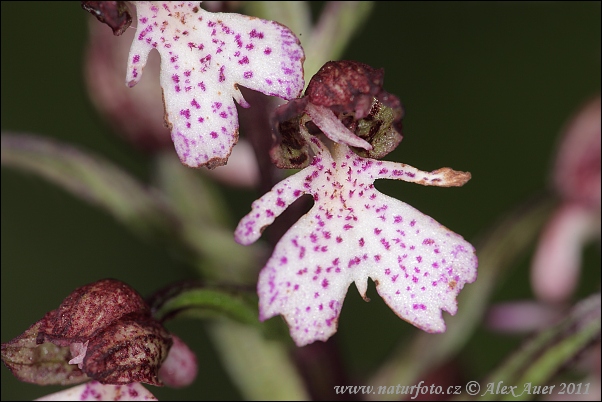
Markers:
<point>353,231</point>
<point>576,178</point>
<point>204,58</point>
<point>103,331</point>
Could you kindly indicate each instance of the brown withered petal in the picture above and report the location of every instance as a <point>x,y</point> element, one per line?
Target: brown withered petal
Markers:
<point>131,349</point>
<point>345,86</point>
<point>290,150</point>
<point>113,13</point>
<point>90,309</point>
<point>44,364</point>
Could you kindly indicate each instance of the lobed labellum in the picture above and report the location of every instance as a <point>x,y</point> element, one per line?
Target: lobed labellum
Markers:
<point>204,58</point>
<point>354,232</point>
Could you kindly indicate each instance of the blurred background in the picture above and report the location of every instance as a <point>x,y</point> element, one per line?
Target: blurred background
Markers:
<point>486,86</point>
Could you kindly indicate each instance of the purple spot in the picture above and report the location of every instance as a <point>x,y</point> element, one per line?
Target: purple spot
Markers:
<point>362,242</point>
<point>213,134</point>
<point>244,60</point>
<point>201,120</point>
<point>248,74</point>
<point>222,77</point>
<point>419,259</point>
<point>255,34</point>
<point>175,78</point>
<point>267,50</point>
<point>185,113</point>
<point>397,219</point>
<point>413,222</point>
<point>223,115</point>
<point>195,104</point>
<point>136,58</point>
<point>325,283</point>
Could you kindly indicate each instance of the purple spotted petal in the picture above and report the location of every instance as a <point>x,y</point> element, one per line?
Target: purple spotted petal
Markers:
<point>204,58</point>
<point>354,232</point>
<point>94,390</point>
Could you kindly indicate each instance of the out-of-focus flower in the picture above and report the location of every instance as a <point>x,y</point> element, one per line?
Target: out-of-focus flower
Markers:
<point>135,113</point>
<point>180,367</point>
<point>204,58</point>
<point>576,178</point>
<point>353,231</point>
<point>102,331</point>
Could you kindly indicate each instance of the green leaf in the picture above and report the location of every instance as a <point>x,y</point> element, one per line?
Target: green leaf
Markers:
<point>543,356</point>
<point>205,301</point>
<point>497,254</point>
<point>92,179</point>
<point>260,366</point>
<point>204,226</point>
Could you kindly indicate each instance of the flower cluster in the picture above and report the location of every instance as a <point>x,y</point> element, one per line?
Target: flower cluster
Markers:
<point>336,133</point>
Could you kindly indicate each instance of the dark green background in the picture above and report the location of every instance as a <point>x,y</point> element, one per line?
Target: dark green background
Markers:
<point>487,87</point>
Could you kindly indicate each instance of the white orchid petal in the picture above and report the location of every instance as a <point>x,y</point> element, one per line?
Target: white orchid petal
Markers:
<point>204,58</point>
<point>94,390</point>
<point>555,268</point>
<point>354,232</point>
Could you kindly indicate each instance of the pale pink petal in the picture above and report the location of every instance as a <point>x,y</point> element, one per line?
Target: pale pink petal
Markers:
<point>521,316</point>
<point>555,268</point>
<point>332,127</point>
<point>242,169</point>
<point>78,351</point>
<point>204,58</point>
<point>577,165</point>
<point>180,367</point>
<point>354,232</point>
<point>96,391</point>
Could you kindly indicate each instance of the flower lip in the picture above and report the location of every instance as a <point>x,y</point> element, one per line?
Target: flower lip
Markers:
<point>354,232</point>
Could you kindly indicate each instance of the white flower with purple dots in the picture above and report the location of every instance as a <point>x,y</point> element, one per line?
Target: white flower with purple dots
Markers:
<point>353,232</point>
<point>204,58</point>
